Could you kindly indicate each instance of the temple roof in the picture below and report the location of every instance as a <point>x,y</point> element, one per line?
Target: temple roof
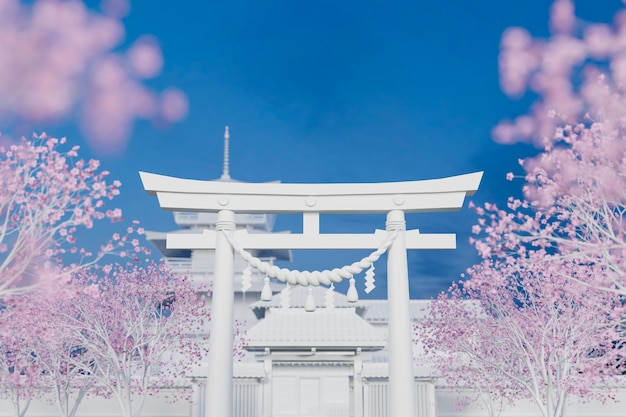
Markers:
<point>323,329</point>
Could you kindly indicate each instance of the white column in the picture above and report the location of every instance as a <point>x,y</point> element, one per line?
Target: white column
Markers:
<point>219,399</point>
<point>357,384</point>
<point>400,397</point>
<point>197,402</point>
<point>267,388</point>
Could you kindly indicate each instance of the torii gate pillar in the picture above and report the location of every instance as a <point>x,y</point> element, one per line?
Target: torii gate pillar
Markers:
<point>399,330</point>
<point>394,199</point>
<point>220,393</point>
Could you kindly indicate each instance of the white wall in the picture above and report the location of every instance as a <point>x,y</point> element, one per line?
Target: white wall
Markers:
<point>445,399</point>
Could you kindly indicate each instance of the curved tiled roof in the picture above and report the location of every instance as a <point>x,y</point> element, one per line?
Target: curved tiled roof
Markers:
<point>324,329</point>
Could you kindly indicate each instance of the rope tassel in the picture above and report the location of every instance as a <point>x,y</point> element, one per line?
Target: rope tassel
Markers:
<point>266,292</point>
<point>353,295</point>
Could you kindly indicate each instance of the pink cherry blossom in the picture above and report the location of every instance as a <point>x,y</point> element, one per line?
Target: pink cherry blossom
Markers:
<point>41,215</point>
<point>549,291</point>
<point>140,326</point>
<point>576,185</point>
<point>174,105</point>
<point>145,58</point>
<point>525,331</point>
<point>66,61</point>
<point>122,330</point>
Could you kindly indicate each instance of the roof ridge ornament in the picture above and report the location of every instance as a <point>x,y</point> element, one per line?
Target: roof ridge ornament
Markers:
<point>285,301</point>
<point>225,168</point>
<point>309,305</point>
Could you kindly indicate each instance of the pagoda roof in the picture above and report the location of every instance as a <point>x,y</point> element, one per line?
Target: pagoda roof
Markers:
<point>159,240</point>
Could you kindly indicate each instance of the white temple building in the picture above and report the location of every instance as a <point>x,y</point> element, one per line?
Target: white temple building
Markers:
<point>331,361</point>
<point>326,362</point>
<point>309,351</point>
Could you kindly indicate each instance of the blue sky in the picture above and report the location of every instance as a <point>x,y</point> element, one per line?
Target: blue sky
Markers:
<point>336,91</point>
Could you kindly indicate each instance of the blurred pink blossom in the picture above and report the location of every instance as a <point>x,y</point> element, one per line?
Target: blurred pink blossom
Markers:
<point>65,62</point>
<point>145,57</point>
<point>562,19</point>
<point>567,72</point>
<point>116,8</point>
<point>599,41</point>
<point>174,105</point>
<point>517,60</point>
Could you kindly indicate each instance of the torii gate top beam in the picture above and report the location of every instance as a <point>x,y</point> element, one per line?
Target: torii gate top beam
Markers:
<point>444,194</point>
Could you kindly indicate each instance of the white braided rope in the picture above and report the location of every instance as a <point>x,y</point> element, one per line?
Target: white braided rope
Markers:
<point>315,278</point>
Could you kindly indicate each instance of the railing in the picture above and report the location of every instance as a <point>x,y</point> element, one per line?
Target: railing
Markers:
<point>246,397</point>
<point>375,398</point>
<point>190,218</point>
<point>179,264</point>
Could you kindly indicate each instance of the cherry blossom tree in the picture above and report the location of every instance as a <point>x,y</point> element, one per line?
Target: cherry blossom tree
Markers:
<point>67,62</point>
<point>121,331</point>
<point>137,325</point>
<point>46,195</point>
<point>19,370</point>
<point>575,188</point>
<point>66,369</point>
<point>526,324</point>
<point>523,330</point>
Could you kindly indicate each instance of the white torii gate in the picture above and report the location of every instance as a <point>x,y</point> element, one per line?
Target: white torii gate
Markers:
<point>393,198</point>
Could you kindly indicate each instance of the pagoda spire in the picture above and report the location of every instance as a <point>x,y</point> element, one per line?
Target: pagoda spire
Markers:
<point>225,169</point>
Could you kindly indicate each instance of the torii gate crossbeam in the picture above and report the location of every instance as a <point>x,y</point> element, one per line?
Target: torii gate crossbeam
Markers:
<point>393,198</point>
